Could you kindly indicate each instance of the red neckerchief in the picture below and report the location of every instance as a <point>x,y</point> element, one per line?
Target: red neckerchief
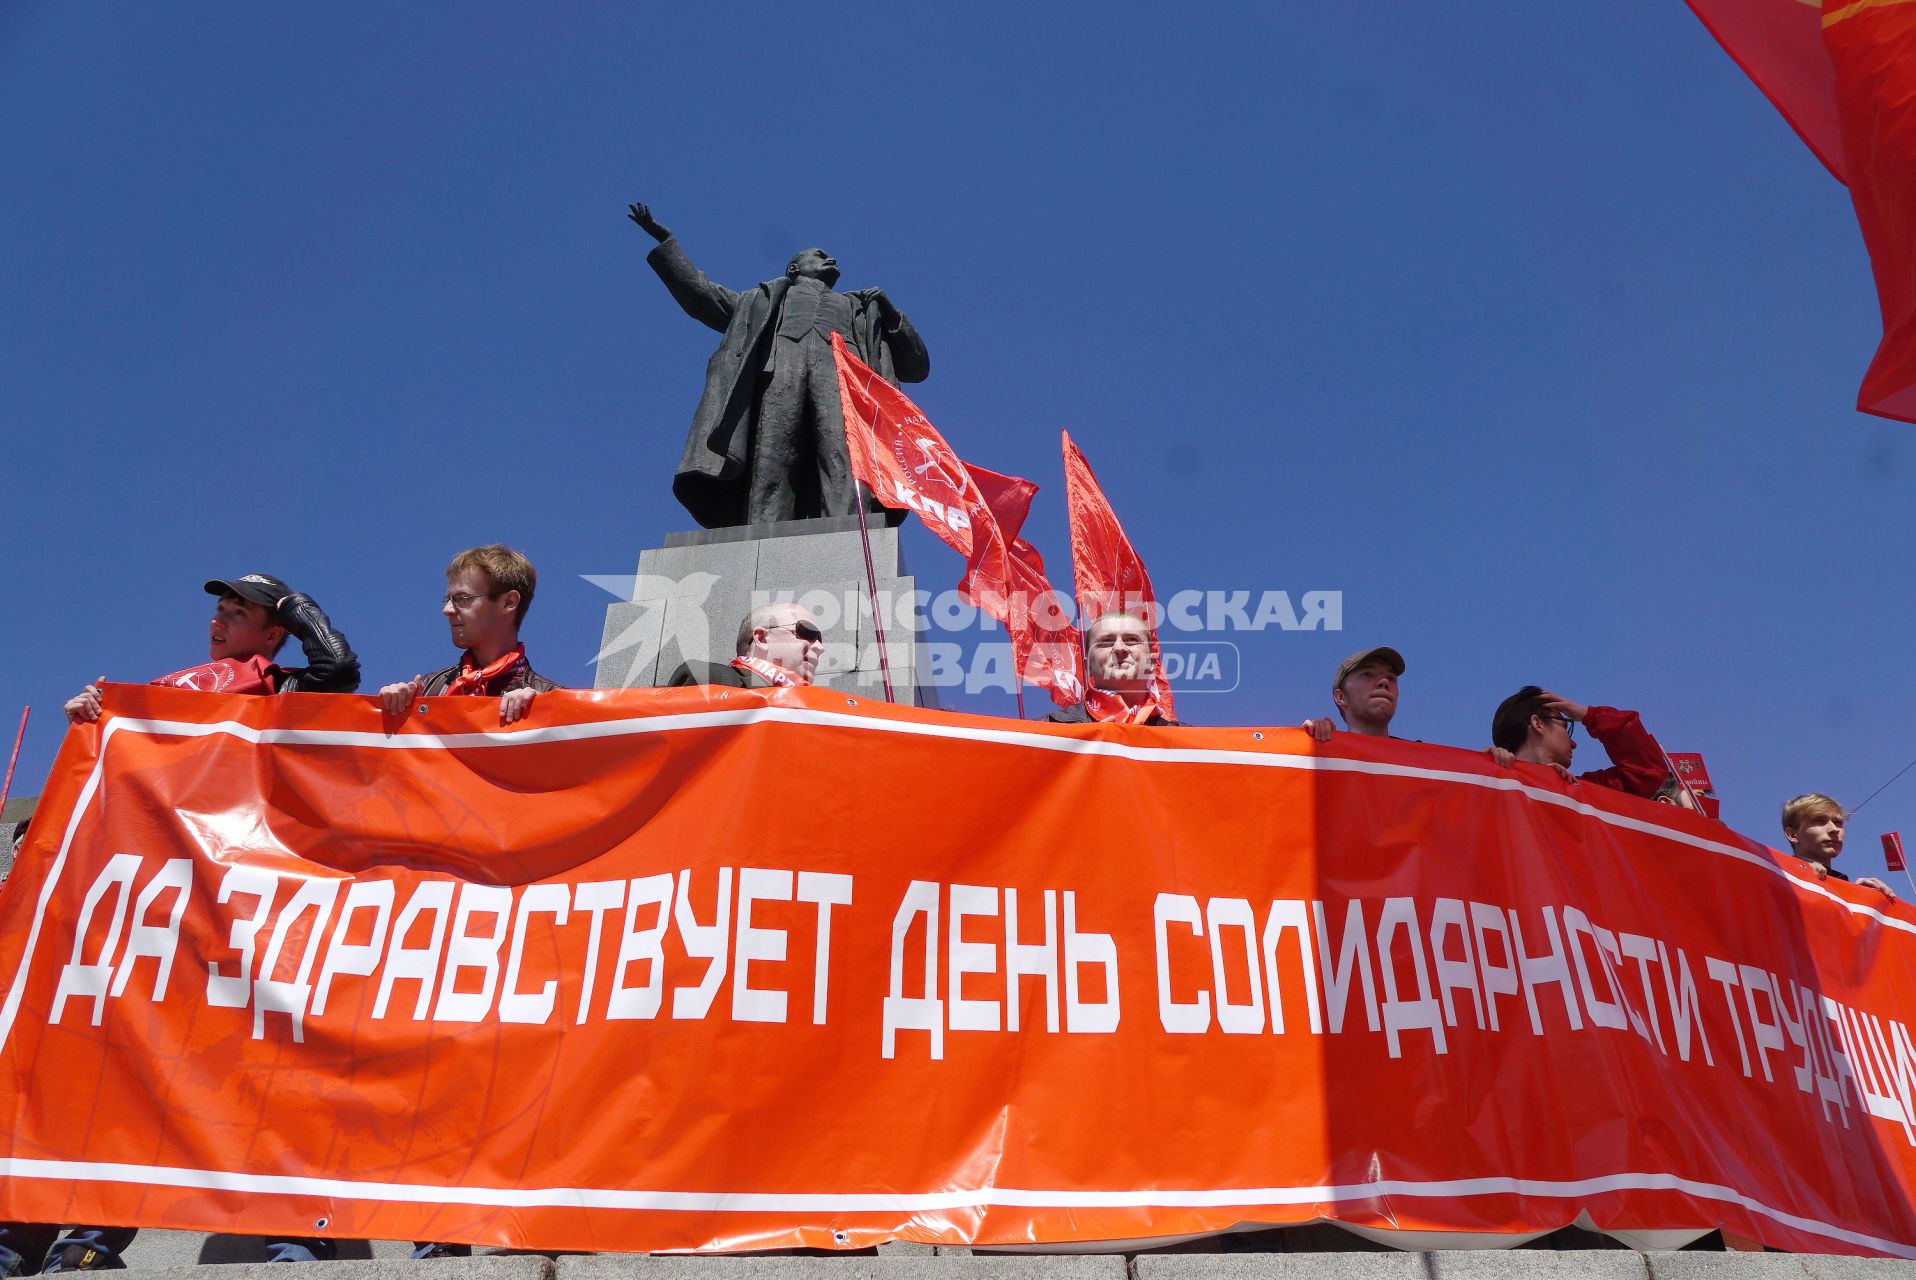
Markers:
<point>1108,708</point>
<point>769,672</point>
<point>500,670</point>
<point>225,675</point>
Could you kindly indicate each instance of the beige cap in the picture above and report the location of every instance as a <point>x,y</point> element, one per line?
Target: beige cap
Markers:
<point>1388,656</point>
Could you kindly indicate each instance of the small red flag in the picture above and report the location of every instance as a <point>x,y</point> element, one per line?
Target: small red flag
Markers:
<point>1893,850</point>
<point>1691,772</point>
<point>1109,574</point>
<point>1843,73</point>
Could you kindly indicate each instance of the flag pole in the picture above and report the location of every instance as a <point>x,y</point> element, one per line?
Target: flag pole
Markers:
<point>871,588</point>
<point>14,759</point>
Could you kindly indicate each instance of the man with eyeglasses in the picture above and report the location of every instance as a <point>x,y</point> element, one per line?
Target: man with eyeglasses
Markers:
<point>488,590</point>
<point>779,646</point>
<point>1537,726</point>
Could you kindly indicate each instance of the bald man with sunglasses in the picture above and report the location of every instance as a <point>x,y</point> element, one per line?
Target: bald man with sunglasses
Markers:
<point>779,646</point>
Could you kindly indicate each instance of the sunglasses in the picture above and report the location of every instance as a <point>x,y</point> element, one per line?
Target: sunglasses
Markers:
<point>803,630</point>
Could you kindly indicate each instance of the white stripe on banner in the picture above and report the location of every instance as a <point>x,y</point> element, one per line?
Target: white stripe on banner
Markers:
<point>928,1202</point>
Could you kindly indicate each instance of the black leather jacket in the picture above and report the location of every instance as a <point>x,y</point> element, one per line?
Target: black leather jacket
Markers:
<point>331,666</point>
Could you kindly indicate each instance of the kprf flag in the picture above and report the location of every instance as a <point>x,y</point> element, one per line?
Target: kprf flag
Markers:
<point>1843,73</point>
<point>1893,850</point>
<point>906,463</point>
<point>901,457</point>
<point>1691,771</point>
<point>1110,576</point>
<point>1045,645</point>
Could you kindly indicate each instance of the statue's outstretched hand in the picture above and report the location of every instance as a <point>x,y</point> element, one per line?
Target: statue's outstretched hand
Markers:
<point>642,214</point>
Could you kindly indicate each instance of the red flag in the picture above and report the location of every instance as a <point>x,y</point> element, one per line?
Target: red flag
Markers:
<point>1692,773</point>
<point>1893,850</point>
<point>905,462</point>
<point>1044,645</point>
<point>1779,45</point>
<point>1844,75</point>
<point>1109,575</point>
<point>901,457</point>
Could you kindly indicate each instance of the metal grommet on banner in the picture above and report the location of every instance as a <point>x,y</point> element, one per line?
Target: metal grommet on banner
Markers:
<point>840,1237</point>
<point>422,708</point>
<point>320,1225</point>
<point>851,702</point>
<point>1258,736</point>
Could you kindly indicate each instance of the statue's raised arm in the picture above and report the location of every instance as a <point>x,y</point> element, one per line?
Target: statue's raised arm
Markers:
<point>642,214</point>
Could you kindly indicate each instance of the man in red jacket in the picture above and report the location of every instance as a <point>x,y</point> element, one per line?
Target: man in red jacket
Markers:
<point>1538,726</point>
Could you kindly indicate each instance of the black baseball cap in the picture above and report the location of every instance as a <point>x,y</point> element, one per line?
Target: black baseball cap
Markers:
<point>260,588</point>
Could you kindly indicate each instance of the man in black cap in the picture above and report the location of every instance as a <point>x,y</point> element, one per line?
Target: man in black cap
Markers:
<point>1365,691</point>
<point>255,614</point>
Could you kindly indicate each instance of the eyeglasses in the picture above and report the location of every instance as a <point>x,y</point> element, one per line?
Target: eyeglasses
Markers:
<point>1569,725</point>
<point>466,599</point>
<point>803,630</point>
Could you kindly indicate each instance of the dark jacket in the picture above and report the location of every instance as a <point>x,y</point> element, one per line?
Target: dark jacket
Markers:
<point>695,671</point>
<point>331,666</point>
<point>524,678</point>
<point>1078,713</point>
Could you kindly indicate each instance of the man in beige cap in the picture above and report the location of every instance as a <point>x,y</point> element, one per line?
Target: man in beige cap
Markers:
<point>1365,691</point>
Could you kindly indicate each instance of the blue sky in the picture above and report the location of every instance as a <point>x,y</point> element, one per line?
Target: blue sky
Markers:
<point>1532,329</point>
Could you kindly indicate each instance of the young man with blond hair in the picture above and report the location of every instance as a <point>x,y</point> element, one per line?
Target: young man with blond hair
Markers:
<point>1813,824</point>
<point>488,590</point>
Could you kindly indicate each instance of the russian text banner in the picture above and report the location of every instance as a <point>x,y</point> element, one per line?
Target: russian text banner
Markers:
<point>708,968</point>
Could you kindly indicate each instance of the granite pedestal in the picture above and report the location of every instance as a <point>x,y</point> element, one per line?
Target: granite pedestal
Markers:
<point>691,594</point>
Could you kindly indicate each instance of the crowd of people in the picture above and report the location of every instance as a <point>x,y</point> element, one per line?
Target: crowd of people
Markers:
<point>490,589</point>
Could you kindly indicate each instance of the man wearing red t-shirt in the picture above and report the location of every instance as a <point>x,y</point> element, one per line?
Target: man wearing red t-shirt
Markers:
<point>1537,726</point>
<point>488,590</point>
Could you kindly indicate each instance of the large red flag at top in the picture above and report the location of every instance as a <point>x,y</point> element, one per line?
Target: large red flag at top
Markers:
<point>1843,73</point>
<point>1109,574</point>
<point>905,462</point>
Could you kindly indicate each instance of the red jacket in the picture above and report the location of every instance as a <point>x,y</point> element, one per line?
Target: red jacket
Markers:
<point>1637,762</point>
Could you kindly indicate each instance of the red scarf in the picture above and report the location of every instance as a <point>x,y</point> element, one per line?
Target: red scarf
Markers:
<point>499,671</point>
<point>225,675</point>
<point>769,672</point>
<point>1108,708</point>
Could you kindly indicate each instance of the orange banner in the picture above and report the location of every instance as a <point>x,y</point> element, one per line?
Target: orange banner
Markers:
<point>716,968</point>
